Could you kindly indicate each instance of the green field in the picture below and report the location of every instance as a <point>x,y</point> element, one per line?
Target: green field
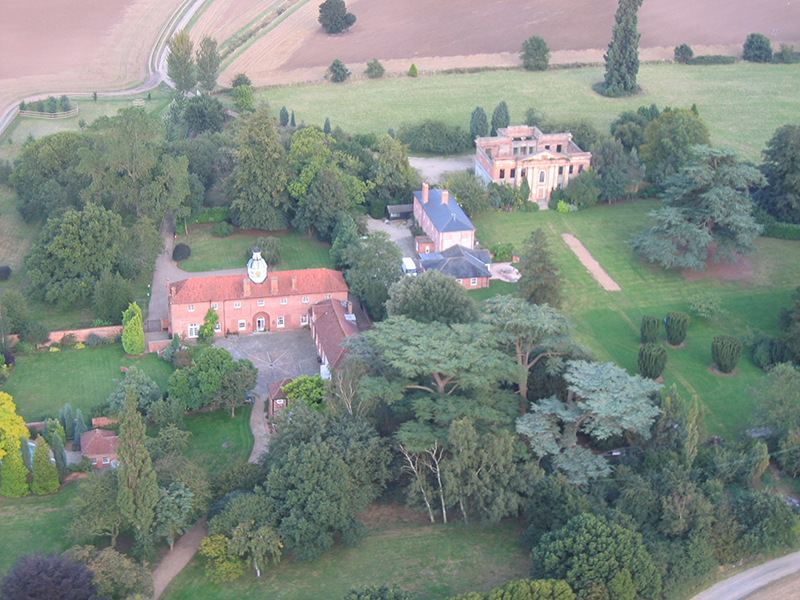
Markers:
<point>608,322</point>
<point>217,440</point>
<point>209,253</point>
<point>42,383</point>
<point>431,561</point>
<point>742,103</point>
<point>34,524</point>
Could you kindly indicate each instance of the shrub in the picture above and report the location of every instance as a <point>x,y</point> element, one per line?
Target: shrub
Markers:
<point>84,466</point>
<point>786,55</point>
<point>80,346</point>
<point>377,209</point>
<point>54,348</point>
<point>240,79</point>
<point>5,273</point>
<point>712,59</point>
<point>757,48</point>
<point>502,252</point>
<point>412,71</point>
<point>726,352</point>
<point>24,348</point>
<point>338,72</point>
<point>650,329</point>
<point>8,358</point>
<point>770,351</point>
<point>706,306</point>
<point>436,137</point>
<point>221,229</point>
<point>374,69</point>
<point>652,360</point>
<point>562,207</point>
<point>181,252</point>
<point>98,322</point>
<point>210,215</point>
<point>69,341</point>
<point>683,54</point>
<point>93,340</point>
<point>35,333</point>
<point>677,324</point>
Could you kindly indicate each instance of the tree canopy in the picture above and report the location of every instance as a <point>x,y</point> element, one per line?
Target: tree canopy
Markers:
<point>781,198</point>
<point>535,54</point>
<point>334,18</point>
<point>39,577</point>
<point>707,213</point>
<point>431,296</point>
<point>180,62</point>
<point>622,58</point>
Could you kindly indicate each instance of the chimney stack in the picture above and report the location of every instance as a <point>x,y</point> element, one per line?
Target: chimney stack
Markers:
<point>445,196</point>
<point>246,287</point>
<point>273,285</point>
<point>294,283</point>
<point>425,188</point>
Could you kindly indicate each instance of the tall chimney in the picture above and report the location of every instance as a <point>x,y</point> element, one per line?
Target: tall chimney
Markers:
<point>246,287</point>
<point>294,283</point>
<point>445,196</point>
<point>425,192</point>
<point>273,285</point>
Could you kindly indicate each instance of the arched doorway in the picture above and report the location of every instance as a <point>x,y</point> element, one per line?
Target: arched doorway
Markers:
<point>260,322</point>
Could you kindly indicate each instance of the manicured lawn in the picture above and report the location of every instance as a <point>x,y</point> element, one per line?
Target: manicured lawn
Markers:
<point>34,524</point>
<point>431,561</point>
<point>608,322</point>
<point>496,286</point>
<point>742,104</point>
<point>298,251</point>
<point>42,383</point>
<point>217,440</point>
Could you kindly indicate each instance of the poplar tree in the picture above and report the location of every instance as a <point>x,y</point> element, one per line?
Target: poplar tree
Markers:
<point>138,489</point>
<point>13,473</point>
<point>60,456</point>
<point>207,60</point>
<point>45,473</point>
<point>622,58</point>
<point>180,62</point>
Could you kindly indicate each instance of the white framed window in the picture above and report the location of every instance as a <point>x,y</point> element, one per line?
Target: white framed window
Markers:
<point>304,320</point>
<point>284,301</point>
<point>280,322</point>
<point>259,303</point>
<point>242,325</point>
<point>190,308</point>
<point>237,305</point>
<point>305,299</point>
<point>541,176</point>
<point>215,306</point>
<point>459,282</point>
<point>193,330</point>
<point>473,281</point>
<point>106,460</point>
<point>218,326</point>
<point>327,296</point>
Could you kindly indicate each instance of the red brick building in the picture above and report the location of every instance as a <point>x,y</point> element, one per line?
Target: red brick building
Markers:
<point>281,300</point>
<point>546,160</point>
<point>331,323</point>
<point>442,219</point>
<point>100,447</point>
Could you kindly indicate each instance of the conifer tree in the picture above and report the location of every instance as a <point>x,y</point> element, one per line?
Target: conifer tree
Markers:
<point>284,116</point>
<point>138,489</point>
<point>500,117</point>
<point>60,456</point>
<point>622,58</point>
<point>14,473</point>
<point>25,451</point>
<point>69,422</point>
<point>80,429</point>
<point>128,314</point>
<point>45,472</point>
<point>133,336</point>
<point>478,123</point>
<point>292,122</point>
<point>326,128</point>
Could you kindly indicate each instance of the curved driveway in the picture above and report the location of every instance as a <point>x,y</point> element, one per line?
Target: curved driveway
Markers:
<point>747,582</point>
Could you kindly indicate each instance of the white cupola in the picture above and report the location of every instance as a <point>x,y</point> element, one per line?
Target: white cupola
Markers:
<point>257,267</point>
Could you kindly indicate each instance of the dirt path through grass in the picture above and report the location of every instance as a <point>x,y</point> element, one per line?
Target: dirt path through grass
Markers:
<point>177,558</point>
<point>258,426</point>
<point>588,261</point>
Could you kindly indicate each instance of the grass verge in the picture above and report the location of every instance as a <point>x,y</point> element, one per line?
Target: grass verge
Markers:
<point>209,253</point>
<point>34,524</point>
<point>42,383</point>
<point>431,561</point>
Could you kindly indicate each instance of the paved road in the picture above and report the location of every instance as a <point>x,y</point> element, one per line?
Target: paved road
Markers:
<point>749,581</point>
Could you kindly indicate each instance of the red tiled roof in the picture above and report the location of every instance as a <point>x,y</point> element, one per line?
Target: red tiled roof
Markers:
<point>332,327</point>
<point>99,441</point>
<point>232,287</point>
<point>275,388</point>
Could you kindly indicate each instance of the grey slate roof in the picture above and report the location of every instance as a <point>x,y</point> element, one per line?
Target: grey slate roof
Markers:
<point>445,217</point>
<point>458,261</point>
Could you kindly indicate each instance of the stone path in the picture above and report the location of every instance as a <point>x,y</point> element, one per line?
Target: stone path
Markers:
<point>258,425</point>
<point>588,261</point>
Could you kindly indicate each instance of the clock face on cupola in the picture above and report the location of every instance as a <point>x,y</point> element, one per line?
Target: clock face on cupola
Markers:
<point>257,267</point>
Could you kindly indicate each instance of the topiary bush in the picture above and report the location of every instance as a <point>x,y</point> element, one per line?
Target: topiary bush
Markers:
<point>726,352</point>
<point>222,229</point>
<point>35,333</point>
<point>650,328</point>
<point>677,324</point>
<point>412,71</point>
<point>181,252</point>
<point>5,273</point>
<point>652,360</point>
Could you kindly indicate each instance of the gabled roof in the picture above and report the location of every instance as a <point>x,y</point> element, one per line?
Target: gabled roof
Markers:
<point>458,261</point>
<point>445,217</point>
<point>275,388</point>
<point>332,326</point>
<point>232,287</point>
<point>99,442</point>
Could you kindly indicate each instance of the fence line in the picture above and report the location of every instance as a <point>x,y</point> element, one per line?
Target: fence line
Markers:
<point>46,115</point>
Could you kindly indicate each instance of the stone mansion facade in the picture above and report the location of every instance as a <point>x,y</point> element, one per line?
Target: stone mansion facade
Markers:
<point>519,152</point>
